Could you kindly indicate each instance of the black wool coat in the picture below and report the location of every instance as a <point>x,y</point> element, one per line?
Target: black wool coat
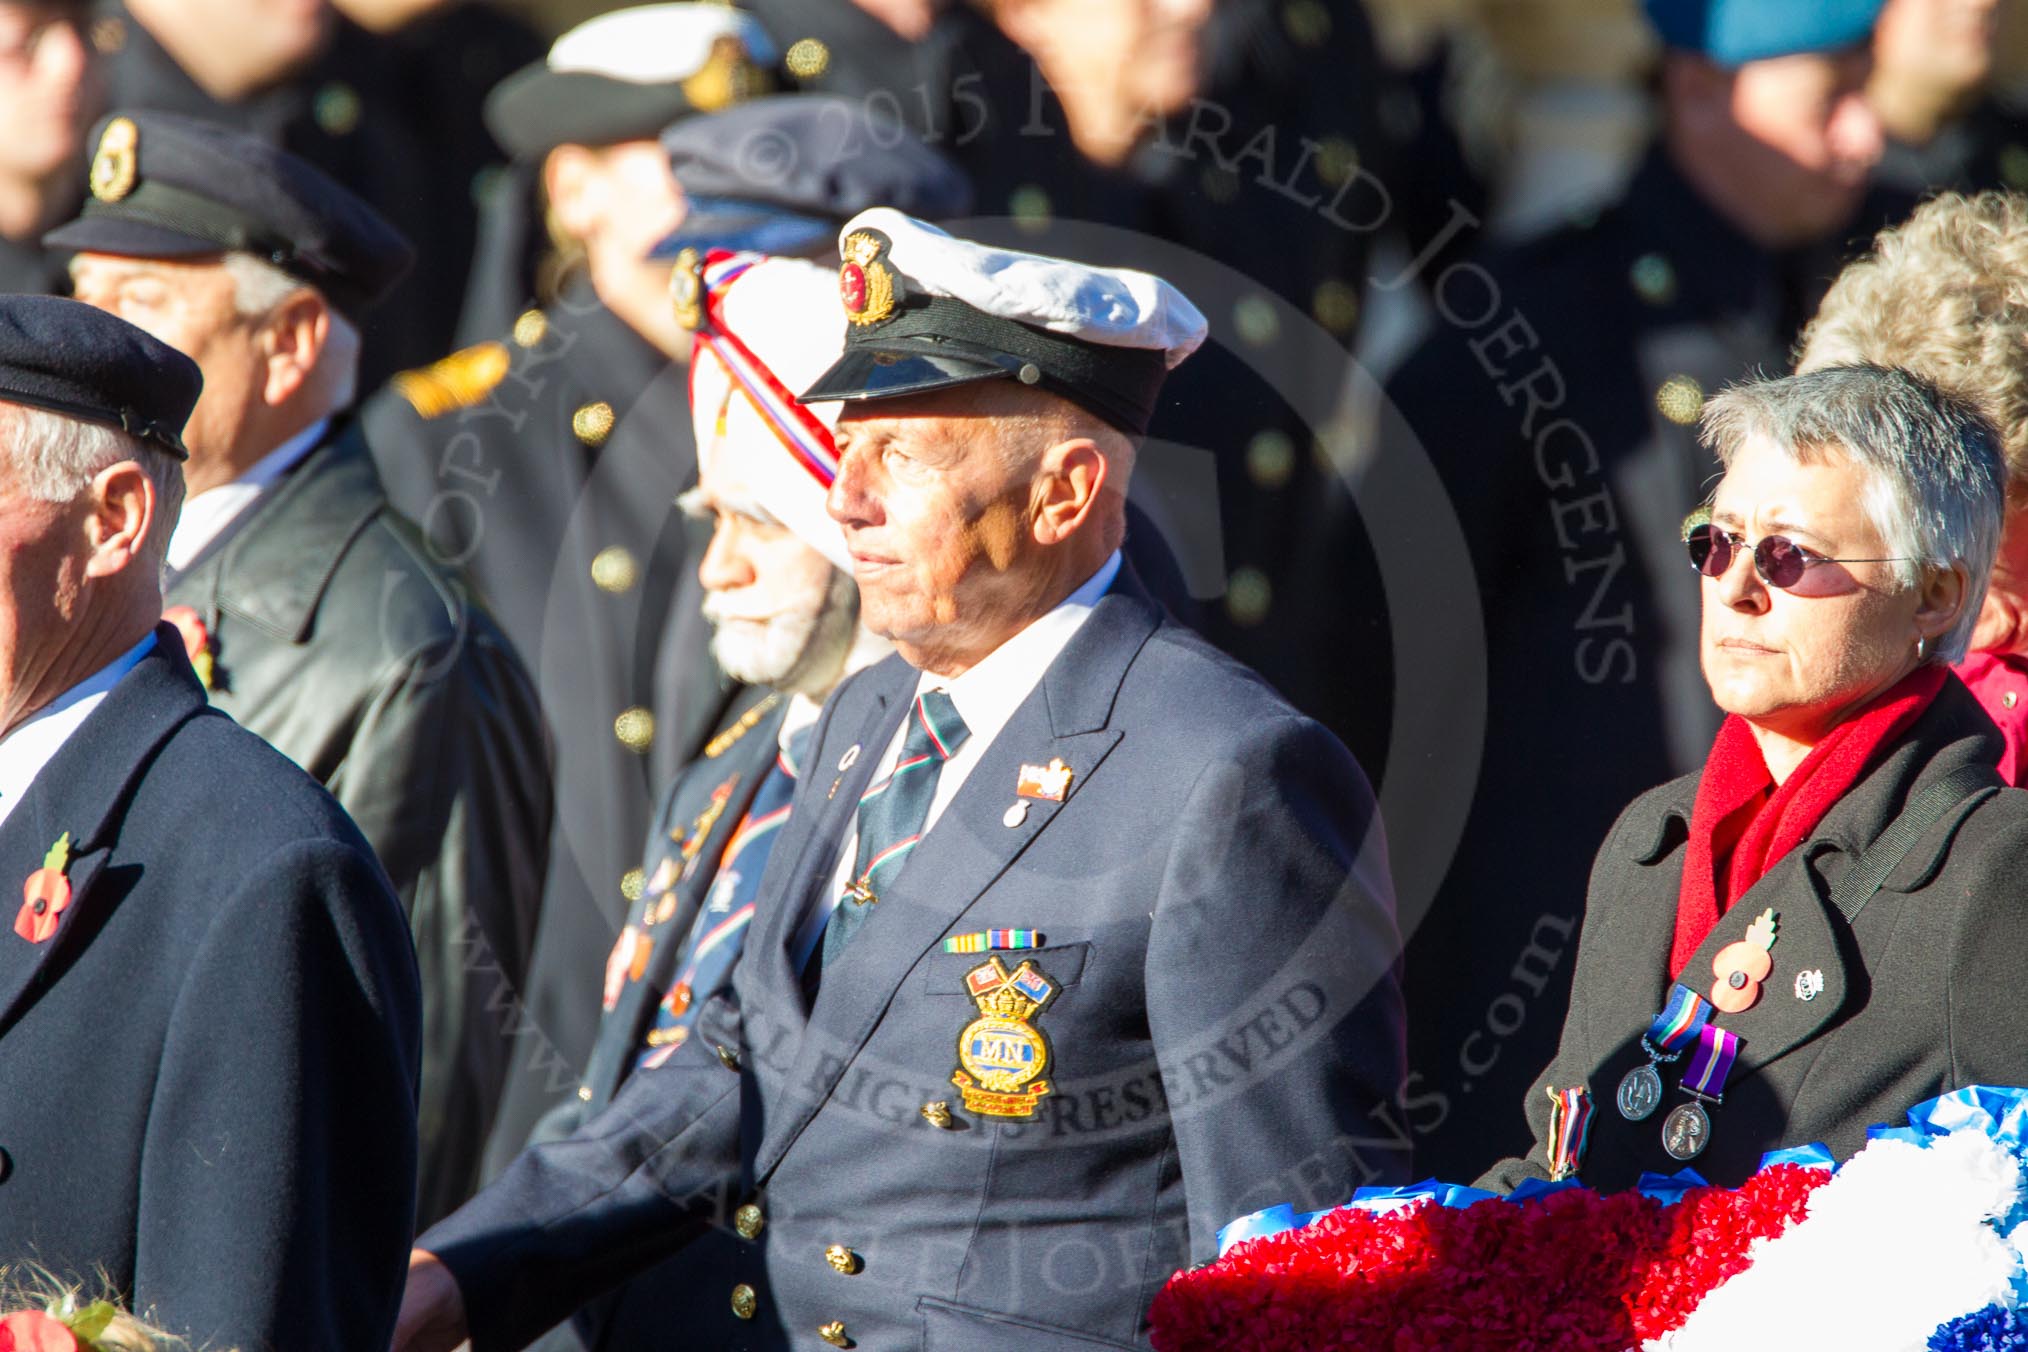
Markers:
<point>1919,995</point>
<point>208,1072</point>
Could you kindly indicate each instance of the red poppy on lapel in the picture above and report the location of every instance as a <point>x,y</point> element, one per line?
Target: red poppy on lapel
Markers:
<point>45,895</point>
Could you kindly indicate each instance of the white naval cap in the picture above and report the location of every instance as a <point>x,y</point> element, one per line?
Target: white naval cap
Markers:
<point>766,327</point>
<point>625,75</point>
<point>926,310</point>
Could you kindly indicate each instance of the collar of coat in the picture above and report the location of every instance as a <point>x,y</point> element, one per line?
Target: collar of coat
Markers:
<point>1952,733</point>
<point>272,572</point>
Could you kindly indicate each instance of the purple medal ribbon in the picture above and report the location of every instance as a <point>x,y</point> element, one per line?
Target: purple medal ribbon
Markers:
<point>1711,1062</point>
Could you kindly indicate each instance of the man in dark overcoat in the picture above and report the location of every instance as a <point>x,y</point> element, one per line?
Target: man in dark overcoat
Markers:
<point>209,1011</point>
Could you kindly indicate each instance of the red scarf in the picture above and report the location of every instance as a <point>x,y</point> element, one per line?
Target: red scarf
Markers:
<point>1742,823</point>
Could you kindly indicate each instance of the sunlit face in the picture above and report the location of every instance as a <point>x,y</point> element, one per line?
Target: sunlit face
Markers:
<point>776,605</point>
<point>1798,661</point>
<point>48,89</point>
<point>1150,51</point>
<point>937,519</point>
<point>192,306</point>
<point>272,38</point>
<point>1811,137</point>
<point>1945,45</point>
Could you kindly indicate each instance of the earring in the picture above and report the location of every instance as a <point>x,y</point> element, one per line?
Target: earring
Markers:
<point>1921,647</point>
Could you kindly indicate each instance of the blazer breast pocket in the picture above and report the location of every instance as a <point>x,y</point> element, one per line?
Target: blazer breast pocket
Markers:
<point>942,973</point>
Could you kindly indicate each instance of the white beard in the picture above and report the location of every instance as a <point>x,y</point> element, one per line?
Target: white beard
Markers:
<point>799,651</point>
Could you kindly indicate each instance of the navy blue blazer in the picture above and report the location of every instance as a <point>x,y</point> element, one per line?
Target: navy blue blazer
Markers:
<point>208,1071</point>
<point>1225,1032</point>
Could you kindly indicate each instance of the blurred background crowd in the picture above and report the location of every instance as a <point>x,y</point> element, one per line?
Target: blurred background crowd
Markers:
<point>1471,268</point>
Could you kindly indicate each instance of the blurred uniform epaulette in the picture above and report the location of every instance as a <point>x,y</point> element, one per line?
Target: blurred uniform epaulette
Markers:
<point>718,745</point>
<point>457,381</point>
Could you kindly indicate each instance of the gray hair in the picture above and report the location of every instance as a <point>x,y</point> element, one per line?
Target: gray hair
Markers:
<point>258,286</point>
<point>1936,480</point>
<point>56,457</point>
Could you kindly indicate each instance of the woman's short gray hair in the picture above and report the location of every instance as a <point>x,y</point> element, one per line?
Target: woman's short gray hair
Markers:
<point>54,458</point>
<point>1936,479</point>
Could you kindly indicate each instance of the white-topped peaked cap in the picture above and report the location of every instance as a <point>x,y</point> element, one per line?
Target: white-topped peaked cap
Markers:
<point>625,75</point>
<point>656,44</point>
<point>926,310</point>
<point>768,327</point>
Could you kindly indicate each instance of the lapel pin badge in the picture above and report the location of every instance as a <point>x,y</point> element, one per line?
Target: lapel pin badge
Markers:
<point>1016,814</point>
<point>45,895</point>
<point>1050,782</point>
<point>849,759</point>
<point>1809,985</point>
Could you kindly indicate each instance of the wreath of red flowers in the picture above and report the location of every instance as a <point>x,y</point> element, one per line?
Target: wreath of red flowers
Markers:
<point>1571,1271</point>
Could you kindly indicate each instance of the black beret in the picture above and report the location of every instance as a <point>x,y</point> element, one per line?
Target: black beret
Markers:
<point>165,186</point>
<point>70,358</point>
<point>625,75</point>
<point>778,174</point>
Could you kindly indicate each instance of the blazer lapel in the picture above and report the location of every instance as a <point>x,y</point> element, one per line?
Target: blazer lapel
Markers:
<point>83,792</point>
<point>966,851</point>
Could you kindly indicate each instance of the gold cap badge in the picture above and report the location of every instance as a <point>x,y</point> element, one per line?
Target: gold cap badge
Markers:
<point>686,289</point>
<point>866,285</point>
<point>116,166</point>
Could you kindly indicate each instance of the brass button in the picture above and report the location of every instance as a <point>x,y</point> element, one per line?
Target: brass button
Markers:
<point>593,423</point>
<point>631,883</point>
<point>807,58</point>
<point>1653,279</point>
<point>584,1093</point>
<point>937,1114</point>
<point>728,1056</point>
<point>834,1334</point>
<point>613,570</point>
<point>1680,399</point>
<point>748,1220</point>
<point>635,728</point>
<point>744,1301</point>
<point>842,1259</point>
<point>336,108</point>
<point>531,328</point>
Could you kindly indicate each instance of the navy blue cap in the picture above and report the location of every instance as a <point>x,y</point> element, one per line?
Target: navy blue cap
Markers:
<point>779,174</point>
<point>70,358</point>
<point>165,186</point>
<point>1734,32</point>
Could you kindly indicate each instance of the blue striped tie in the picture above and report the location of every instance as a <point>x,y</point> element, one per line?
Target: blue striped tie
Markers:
<point>892,813</point>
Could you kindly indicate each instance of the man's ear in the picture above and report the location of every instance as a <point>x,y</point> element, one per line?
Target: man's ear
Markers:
<point>570,181</point>
<point>293,339</point>
<point>1073,473</point>
<point>123,507</point>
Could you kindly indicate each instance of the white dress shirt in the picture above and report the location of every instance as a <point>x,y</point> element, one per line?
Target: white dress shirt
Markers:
<point>32,745</point>
<point>206,516</point>
<point>986,696</point>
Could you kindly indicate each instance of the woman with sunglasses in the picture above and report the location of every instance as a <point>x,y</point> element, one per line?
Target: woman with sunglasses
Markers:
<point>1826,924</point>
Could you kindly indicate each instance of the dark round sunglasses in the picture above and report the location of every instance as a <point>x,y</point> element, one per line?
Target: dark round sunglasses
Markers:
<point>1780,561</point>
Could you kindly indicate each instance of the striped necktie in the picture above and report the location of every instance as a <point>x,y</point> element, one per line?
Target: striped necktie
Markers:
<point>892,813</point>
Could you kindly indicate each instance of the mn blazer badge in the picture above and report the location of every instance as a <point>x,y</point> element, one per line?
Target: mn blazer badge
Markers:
<point>1002,1054</point>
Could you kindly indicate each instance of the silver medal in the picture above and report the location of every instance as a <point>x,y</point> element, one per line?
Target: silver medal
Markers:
<point>1686,1131</point>
<point>1640,1093</point>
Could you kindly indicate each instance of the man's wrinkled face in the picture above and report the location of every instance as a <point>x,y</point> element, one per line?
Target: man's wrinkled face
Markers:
<point>772,600</point>
<point>192,306</point>
<point>48,89</point>
<point>936,514</point>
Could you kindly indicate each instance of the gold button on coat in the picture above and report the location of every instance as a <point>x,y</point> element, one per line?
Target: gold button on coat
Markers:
<point>744,1301</point>
<point>728,1056</point>
<point>613,569</point>
<point>593,423</point>
<point>748,1220</point>
<point>842,1258</point>
<point>531,328</point>
<point>635,728</point>
<point>834,1334</point>
<point>937,1114</point>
